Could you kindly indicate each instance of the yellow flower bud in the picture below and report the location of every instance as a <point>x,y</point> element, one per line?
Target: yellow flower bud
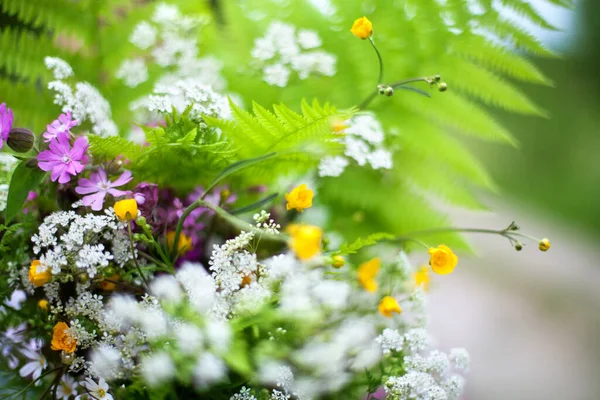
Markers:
<point>442,259</point>
<point>306,240</point>
<point>299,198</point>
<point>388,305</point>
<point>39,274</point>
<point>544,244</point>
<point>362,28</point>
<point>184,244</point>
<point>338,262</point>
<point>126,209</point>
<point>367,273</point>
<point>421,278</point>
<point>43,304</point>
<point>61,339</point>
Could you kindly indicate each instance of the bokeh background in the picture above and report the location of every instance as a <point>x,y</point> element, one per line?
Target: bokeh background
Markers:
<point>531,320</point>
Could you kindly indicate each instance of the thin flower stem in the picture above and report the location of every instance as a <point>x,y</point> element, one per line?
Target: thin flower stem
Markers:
<point>394,85</point>
<point>133,255</point>
<point>380,79</point>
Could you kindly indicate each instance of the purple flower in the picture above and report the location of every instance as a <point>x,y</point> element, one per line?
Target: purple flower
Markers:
<point>6,120</point>
<point>63,124</point>
<point>98,186</point>
<point>63,160</point>
<point>146,195</point>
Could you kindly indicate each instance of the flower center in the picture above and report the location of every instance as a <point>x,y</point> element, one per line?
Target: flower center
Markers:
<point>104,185</point>
<point>66,159</point>
<point>101,393</point>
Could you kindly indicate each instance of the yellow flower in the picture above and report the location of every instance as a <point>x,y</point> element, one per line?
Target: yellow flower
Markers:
<point>388,305</point>
<point>338,262</point>
<point>39,274</point>
<point>367,273</point>
<point>61,340</point>
<point>300,198</point>
<point>362,28</point>
<point>126,209</point>
<point>421,278</point>
<point>306,240</point>
<point>544,244</point>
<point>109,286</point>
<point>43,304</point>
<point>184,244</point>
<point>442,259</point>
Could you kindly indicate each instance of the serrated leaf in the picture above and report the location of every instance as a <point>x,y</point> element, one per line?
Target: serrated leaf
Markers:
<point>363,242</point>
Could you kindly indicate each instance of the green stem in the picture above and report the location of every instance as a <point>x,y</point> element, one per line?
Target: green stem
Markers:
<point>133,255</point>
<point>30,384</point>
<point>394,85</point>
<point>380,79</point>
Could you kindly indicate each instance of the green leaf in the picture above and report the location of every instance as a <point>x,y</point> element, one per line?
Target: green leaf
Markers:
<point>363,242</point>
<point>24,179</point>
<point>237,357</point>
<point>255,205</point>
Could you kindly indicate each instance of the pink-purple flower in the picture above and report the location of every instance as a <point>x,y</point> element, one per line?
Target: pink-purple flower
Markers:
<point>6,120</point>
<point>98,186</point>
<point>63,124</point>
<point>63,160</point>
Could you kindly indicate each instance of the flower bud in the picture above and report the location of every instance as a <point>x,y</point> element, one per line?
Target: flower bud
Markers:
<point>110,270</point>
<point>20,140</point>
<point>437,78</point>
<point>389,91</point>
<point>381,89</point>
<point>443,87</point>
<point>83,278</point>
<point>544,244</point>
<point>338,262</point>
<point>141,220</point>
<point>518,246</point>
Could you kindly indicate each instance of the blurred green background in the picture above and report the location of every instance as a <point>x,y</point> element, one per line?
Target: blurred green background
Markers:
<point>556,170</point>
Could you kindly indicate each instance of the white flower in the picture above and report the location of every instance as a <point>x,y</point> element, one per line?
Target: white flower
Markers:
<point>390,340</point>
<point>133,72</point>
<point>218,335</point>
<point>105,362</point>
<point>34,367</point>
<point>416,340</point>
<point>143,36</point>
<point>99,391</point>
<point>157,368</point>
<point>243,394</point>
<point>166,287</point>
<point>209,369</point>
<point>66,388</point>
<point>308,39</point>
<point>357,149</point>
<point>189,337</point>
<point>199,286</point>
<point>166,14</point>
<point>332,294</point>
<point>276,74</point>
<point>60,68</point>
<point>367,127</point>
<point>380,159</point>
<point>332,166</point>
<point>438,362</point>
<point>453,386</point>
<point>461,359</point>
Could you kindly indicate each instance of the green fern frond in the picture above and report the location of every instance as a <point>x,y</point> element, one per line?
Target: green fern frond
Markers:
<point>527,11</point>
<point>23,53</point>
<point>299,140</point>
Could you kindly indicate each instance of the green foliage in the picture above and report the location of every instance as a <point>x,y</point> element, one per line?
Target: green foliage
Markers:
<point>24,179</point>
<point>363,242</point>
<point>299,140</point>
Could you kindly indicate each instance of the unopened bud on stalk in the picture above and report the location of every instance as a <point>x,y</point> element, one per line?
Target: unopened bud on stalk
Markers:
<point>442,87</point>
<point>338,262</point>
<point>389,91</point>
<point>544,244</point>
<point>20,140</point>
<point>518,246</point>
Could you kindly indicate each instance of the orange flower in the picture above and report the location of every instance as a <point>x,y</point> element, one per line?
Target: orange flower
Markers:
<point>367,272</point>
<point>421,278</point>
<point>306,240</point>
<point>299,198</point>
<point>362,28</point>
<point>61,340</point>
<point>184,244</point>
<point>39,274</point>
<point>388,305</point>
<point>442,260</point>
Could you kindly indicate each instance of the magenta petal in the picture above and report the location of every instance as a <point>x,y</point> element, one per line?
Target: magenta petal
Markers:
<point>57,170</point>
<point>86,189</point>
<point>64,177</point>
<point>123,179</point>
<point>79,147</point>
<point>95,201</point>
<point>100,176</point>
<point>117,192</point>
<point>47,155</point>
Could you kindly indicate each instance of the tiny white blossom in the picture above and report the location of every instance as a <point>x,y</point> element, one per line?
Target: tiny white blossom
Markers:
<point>390,340</point>
<point>276,74</point>
<point>143,36</point>
<point>209,369</point>
<point>98,391</point>
<point>460,358</point>
<point>133,72</point>
<point>166,287</point>
<point>332,166</point>
<point>60,68</point>
<point>157,368</point>
<point>308,39</point>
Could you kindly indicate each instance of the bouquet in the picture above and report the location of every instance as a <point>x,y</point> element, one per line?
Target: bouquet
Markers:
<point>194,258</point>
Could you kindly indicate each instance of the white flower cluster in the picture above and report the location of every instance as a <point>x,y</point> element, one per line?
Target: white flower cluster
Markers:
<point>428,376</point>
<point>3,195</point>
<point>283,49</point>
<point>171,40</point>
<point>363,142</point>
<point>70,243</point>
<point>264,222</point>
<point>83,100</point>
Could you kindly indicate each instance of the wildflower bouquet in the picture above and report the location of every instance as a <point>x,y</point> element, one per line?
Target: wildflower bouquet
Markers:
<point>194,257</point>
